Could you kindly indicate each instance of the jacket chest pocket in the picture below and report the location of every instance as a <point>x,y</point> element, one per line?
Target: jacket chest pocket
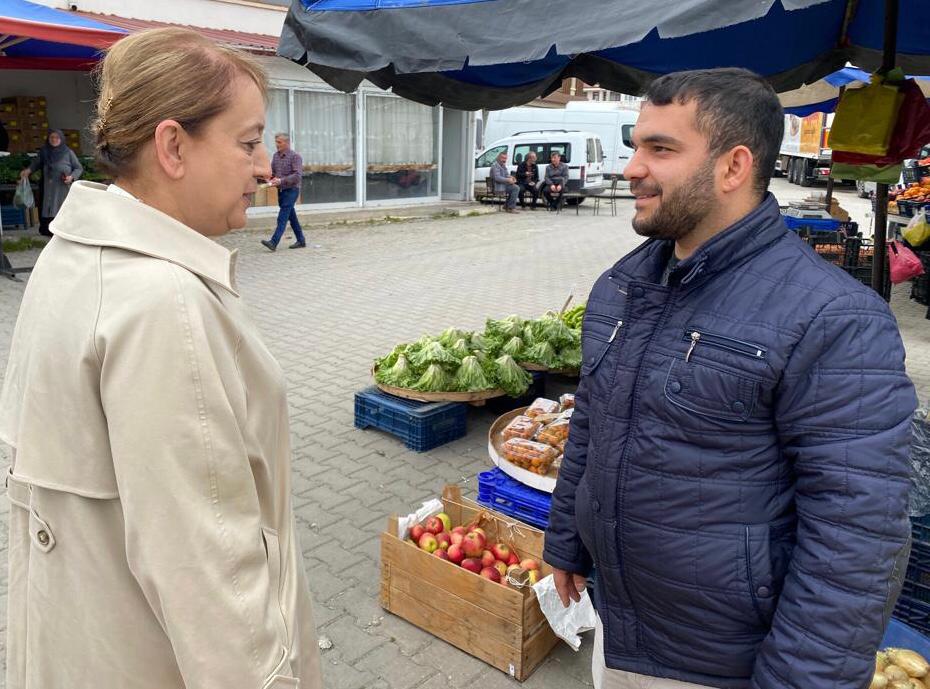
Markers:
<point>600,333</point>
<point>710,391</point>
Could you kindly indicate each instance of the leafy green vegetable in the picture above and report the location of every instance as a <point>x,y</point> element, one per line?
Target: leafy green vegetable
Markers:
<point>471,377</point>
<point>434,379</point>
<point>514,347</point>
<point>452,335</point>
<point>432,353</point>
<point>478,342</point>
<point>551,328</point>
<point>385,363</point>
<point>510,377</point>
<point>512,326</point>
<point>400,375</point>
<point>529,335</point>
<point>460,349</point>
<point>570,358</point>
<point>541,353</point>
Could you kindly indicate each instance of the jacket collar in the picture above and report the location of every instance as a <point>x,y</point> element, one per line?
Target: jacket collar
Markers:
<point>90,215</point>
<point>732,246</point>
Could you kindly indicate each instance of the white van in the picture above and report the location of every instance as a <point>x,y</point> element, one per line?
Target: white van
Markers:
<point>611,122</point>
<point>581,151</point>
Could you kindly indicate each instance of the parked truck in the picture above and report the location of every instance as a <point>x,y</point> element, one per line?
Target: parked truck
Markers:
<point>805,154</point>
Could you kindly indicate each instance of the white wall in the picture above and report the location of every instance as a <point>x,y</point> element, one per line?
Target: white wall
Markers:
<point>70,97</point>
<point>237,15</point>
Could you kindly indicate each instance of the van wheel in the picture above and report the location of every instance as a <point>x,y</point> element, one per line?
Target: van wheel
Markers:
<point>804,179</point>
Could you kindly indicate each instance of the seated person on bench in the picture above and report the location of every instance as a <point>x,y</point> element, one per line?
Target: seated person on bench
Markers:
<point>556,179</point>
<point>528,179</point>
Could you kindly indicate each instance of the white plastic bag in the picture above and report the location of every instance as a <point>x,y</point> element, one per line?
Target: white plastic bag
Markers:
<point>23,197</point>
<point>430,508</point>
<point>567,623</point>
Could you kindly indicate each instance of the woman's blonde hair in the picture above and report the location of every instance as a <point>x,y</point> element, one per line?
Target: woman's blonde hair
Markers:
<point>162,74</point>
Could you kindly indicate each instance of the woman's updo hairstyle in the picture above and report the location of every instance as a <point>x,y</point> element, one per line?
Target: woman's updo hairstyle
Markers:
<point>162,74</point>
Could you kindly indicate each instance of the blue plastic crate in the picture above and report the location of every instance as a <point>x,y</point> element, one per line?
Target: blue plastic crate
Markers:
<point>421,425</point>
<point>12,216</point>
<point>900,635</point>
<point>499,492</point>
<point>812,224</point>
<point>914,612</point>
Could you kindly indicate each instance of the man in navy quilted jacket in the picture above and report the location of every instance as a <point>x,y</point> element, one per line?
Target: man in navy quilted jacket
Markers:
<point>737,467</point>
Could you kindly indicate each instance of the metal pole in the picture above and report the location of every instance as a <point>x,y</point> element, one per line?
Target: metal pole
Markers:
<point>829,196</point>
<point>881,191</point>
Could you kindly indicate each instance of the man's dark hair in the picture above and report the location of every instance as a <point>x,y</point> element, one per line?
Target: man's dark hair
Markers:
<point>735,107</point>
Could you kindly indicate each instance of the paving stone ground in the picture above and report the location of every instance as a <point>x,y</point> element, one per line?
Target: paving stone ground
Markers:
<point>326,313</point>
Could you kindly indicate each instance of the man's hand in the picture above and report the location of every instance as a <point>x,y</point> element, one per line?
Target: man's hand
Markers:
<point>68,179</point>
<point>568,585</point>
<point>275,182</point>
<point>513,180</point>
<point>24,174</point>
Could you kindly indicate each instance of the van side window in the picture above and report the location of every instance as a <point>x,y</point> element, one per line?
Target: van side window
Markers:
<point>600,150</point>
<point>487,158</point>
<point>521,151</point>
<point>565,150</point>
<point>591,151</point>
<point>626,134</point>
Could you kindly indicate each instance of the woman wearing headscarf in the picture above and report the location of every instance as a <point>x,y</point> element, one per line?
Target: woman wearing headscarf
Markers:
<point>60,167</point>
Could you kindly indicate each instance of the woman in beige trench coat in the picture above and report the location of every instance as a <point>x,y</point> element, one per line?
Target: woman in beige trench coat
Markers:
<point>152,540</point>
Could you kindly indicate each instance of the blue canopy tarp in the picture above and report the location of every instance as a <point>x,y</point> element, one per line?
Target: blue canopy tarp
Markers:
<point>473,54</point>
<point>34,36</point>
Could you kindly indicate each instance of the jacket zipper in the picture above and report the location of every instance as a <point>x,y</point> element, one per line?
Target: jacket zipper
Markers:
<point>723,342</point>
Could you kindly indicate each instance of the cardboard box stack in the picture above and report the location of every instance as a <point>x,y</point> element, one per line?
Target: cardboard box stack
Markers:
<point>26,121</point>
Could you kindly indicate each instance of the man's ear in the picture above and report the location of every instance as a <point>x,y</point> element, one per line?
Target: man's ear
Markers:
<point>738,169</point>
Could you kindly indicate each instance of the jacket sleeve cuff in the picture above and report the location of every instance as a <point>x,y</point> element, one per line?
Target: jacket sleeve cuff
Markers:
<point>581,565</point>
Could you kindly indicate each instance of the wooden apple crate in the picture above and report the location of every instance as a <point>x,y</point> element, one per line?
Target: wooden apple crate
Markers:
<point>501,625</point>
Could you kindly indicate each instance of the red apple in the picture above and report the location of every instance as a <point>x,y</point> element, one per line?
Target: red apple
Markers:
<point>434,525</point>
<point>458,529</point>
<point>473,544</point>
<point>456,554</point>
<point>428,543</point>
<point>457,537</point>
<point>416,531</point>
<point>441,554</point>
<point>492,574</point>
<point>529,563</point>
<point>444,540</point>
<point>446,521</point>
<point>501,567</point>
<point>471,564</point>
<point>477,529</point>
<point>501,551</point>
<point>513,559</point>
<point>488,559</point>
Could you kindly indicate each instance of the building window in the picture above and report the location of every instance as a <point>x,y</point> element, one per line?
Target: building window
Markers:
<point>402,145</point>
<point>324,135</point>
<point>277,117</point>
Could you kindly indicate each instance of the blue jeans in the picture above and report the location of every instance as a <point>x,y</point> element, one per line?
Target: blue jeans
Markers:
<point>286,200</point>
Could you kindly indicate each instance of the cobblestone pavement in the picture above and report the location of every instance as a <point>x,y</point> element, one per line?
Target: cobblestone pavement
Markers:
<point>326,312</point>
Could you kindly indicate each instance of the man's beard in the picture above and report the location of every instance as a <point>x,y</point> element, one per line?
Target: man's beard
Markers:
<point>679,211</point>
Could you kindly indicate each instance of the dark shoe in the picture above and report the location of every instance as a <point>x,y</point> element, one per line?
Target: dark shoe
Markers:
<point>298,245</point>
<point>268,245</point>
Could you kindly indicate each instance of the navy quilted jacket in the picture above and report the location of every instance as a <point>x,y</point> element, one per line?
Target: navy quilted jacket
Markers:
<point>737,465</point>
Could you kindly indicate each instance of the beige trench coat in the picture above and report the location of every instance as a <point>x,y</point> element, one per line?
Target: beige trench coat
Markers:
<point>152,540</point>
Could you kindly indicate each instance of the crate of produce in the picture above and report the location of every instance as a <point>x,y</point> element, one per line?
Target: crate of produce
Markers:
<point>495,619</point>
<point>920,289</point>
<point>498,491</point>
<point>421,425</point>
<point>914,175</point>
<point>833,252</point>
<point>914,603</point>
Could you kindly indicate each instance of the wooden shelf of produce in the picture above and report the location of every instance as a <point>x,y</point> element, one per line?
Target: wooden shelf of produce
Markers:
<point>500,625</point>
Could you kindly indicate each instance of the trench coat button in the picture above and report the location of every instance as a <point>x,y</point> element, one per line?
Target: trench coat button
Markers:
<point>675,387</point>
<point>763,591</point>
<point>738,407</point>
<point>42,537</point>
<point>639,292</point>
<point>596,506</point>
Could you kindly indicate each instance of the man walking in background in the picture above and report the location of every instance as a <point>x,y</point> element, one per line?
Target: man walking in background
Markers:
<point>287,172</point>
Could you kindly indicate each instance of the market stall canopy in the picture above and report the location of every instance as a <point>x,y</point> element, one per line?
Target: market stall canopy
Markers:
<point>472,54</point>
<point>33,36</point>
<point>823,94</point>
